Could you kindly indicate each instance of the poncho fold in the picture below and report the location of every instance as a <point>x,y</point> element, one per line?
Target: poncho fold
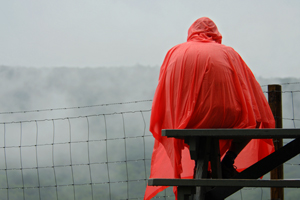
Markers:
<point>204,84</point>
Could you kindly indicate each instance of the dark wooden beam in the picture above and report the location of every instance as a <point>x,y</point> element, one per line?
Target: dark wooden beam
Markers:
<point>259,169</point>
<point>224,183</point>
<point>275,103</point>
<point>232,133</point>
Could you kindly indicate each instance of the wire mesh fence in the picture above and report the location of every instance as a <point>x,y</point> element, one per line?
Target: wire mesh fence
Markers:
<point>78,158</point>
<point>95,156</point>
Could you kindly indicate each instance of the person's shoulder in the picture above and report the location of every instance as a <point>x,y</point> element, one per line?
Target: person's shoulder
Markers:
<point>225,47</point>
<point>178,47</point>
<point>229,48</point>
<point>200,47</point>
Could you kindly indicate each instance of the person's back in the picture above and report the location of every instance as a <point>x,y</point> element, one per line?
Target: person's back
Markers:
<point>212,84</point>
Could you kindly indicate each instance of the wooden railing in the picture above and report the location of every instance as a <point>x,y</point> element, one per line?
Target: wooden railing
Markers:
<point>204,147</point>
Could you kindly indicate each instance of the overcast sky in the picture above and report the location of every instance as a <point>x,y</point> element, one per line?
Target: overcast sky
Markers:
<point>95,33</point>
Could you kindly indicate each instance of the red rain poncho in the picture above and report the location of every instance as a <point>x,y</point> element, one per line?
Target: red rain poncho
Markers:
<point>204,84</point>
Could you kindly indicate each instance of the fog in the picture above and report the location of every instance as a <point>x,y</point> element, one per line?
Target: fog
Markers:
<point>70,117</point>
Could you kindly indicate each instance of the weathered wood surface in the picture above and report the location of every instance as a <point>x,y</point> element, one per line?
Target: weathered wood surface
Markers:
<point>275,103</point>
<point>225,183</point>
<point>232,133</point>
<point>204,147</point>
<point>259,169</point>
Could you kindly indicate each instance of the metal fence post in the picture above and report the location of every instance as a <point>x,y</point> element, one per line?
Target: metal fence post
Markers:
<point>275,102</point>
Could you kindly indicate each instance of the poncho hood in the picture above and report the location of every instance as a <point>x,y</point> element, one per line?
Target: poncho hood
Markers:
<point>204,30</point>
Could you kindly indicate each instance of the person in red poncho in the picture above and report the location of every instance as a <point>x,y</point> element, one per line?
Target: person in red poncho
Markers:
<point>204,84</point>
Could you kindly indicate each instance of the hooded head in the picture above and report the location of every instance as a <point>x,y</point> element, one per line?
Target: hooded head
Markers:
<point>204,30</point>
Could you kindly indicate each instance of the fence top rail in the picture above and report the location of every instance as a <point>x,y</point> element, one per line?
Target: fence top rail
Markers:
<point>232,133</point>
<point>225,182</point>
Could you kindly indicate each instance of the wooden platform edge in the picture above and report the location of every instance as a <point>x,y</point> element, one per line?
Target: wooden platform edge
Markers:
<point>232,133</point>
<point>225,183</point>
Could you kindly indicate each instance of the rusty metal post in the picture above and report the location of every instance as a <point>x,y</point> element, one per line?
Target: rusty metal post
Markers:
<point>275,102</point>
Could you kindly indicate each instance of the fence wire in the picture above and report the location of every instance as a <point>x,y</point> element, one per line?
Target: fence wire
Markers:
<point>97,156</point>
<point>93,157</point>
<point>74,107</point>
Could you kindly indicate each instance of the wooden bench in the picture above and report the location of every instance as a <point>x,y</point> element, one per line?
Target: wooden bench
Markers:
<point>204,147</point>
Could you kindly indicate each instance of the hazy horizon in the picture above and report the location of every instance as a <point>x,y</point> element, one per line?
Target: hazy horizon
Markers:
<point>126,33</point>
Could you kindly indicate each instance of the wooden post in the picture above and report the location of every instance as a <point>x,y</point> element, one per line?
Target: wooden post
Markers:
<point>275,102</point>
